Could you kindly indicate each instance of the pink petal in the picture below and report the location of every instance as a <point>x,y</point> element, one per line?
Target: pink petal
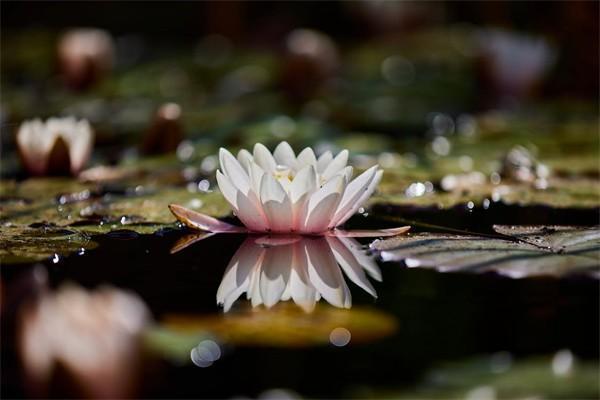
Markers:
<point>277,240</point>
<point>276,204</point>
<point>362,198</point>
<point>353,192</point>
<point>368,233</point>
<point>201,221</point>
<point>322,205</point>
<point>250,213</point>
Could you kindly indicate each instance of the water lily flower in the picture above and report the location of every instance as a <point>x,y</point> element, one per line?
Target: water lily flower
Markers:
<point>91,337</point>
<point>85,56</point>
<point>285,193</point>
<point>304,269</point>
<point>57,146</point>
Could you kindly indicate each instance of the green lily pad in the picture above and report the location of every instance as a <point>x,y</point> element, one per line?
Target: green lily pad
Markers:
<point>527,251</point>
<point>68,212</point>
<point>286,325</point>
<point>499,376</point>
<point>24,244</point>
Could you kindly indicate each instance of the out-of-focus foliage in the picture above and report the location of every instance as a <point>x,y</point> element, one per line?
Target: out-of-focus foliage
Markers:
<point>500,377</point>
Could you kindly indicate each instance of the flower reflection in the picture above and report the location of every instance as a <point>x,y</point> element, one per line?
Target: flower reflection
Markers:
<point>304,269</point>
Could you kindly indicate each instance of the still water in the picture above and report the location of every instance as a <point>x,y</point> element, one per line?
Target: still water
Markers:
<point>319,317</point>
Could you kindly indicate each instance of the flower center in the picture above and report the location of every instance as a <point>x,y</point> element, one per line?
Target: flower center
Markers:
<point>283,172</point>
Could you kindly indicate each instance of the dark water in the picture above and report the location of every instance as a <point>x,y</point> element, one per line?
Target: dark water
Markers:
<point>440,317</point>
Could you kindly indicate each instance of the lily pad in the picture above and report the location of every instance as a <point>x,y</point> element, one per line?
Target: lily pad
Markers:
<point>286,325</point>
<point>43,217</point>
<point>25,244</point>
<point>499,376</point>
<point>528,251</point>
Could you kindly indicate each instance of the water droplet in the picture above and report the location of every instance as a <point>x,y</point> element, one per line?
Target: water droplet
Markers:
<point>470,205</point>
<point>340,337</point>
<point>195,203</point>
<point>415,189</point>
<point>441,146</point>
<point>562,362</point>
<point>205,353</point>
<point>55,258</point>
<point>486,204</point>
<point>185,150</point>
<point>204,185</point>
<point>495,178</point>
<point>209,164</point>
<point>81,251</point>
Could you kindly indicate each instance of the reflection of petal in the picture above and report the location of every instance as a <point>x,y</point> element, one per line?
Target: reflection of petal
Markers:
<point>366,261</point>
<point>273,268</point>
<point>325,274</point>
<point>350,265</point>
<point>275,273</point>
<point>302,291</point>
<point>188,240</point>
<point>277,240</point>
<point>369,233</point>
<point>238,273</point>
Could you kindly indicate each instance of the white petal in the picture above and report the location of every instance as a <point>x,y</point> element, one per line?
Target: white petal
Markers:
<point>275,273</point>
<point>301,188</point>
<point>306,157</point>
<point>256,174</point>
<point>363,197</point>
<point>347,172</point>
<point>284,155</point>
<point>324,161</point>
<point>353,193</point>
<point>80,145</point>
<point>236,279</point>
<point>253,292</point>
<point>304,182</point>
<point>227,189</point>
<point>322,205</point>
<point>338,163</point>
<point>244,158</point>
<point>263,157</point>
<point>324,272</point>
<point>276,204</point>
<point>234,171</point>
<point>302,291</point>
<point>365,260</point>
<point>351,265</point>
<point>250,213</point>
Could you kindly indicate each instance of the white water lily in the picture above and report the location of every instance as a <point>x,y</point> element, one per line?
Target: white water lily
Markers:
<point>59,145</point>
<point>288,194</point>
<point>284,193</point>
<point>303,269</point>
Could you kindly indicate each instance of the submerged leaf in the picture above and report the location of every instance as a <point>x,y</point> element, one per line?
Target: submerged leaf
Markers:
<point>533,251</point>
<point>285,325</point>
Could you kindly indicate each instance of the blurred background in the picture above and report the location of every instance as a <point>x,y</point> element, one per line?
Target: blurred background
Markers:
<point>481,113</point>
<point>239,69</point>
